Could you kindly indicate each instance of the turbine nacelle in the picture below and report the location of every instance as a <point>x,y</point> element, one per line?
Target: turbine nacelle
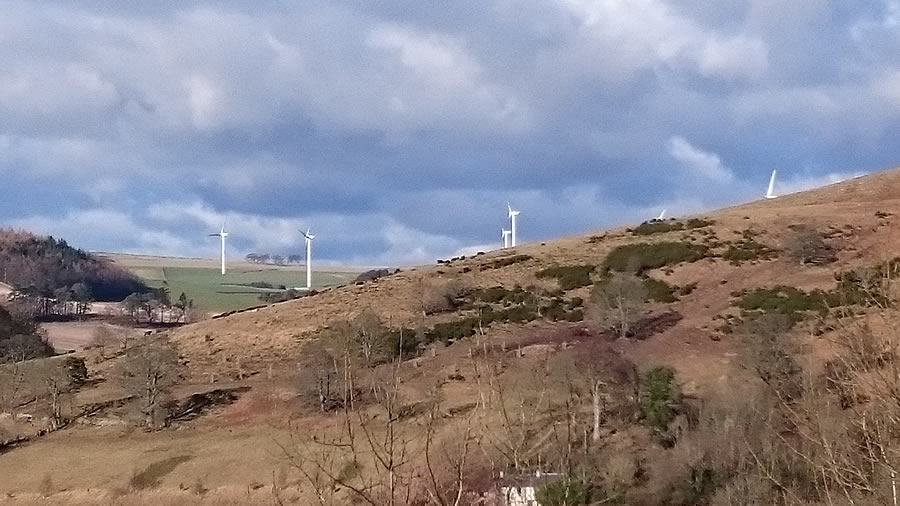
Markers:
<point>220,233</point>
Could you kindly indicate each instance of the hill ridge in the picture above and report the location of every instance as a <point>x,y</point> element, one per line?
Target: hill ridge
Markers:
<point>278,331</point>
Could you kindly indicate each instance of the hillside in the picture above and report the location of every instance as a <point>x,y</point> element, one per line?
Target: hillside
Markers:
<point>46,264</point>
<point>758,360</point>
<point>846,211</point>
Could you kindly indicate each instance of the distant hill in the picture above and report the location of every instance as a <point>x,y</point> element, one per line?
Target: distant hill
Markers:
<point>46,264</point>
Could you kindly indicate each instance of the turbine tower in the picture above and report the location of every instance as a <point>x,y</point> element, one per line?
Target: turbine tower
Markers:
<point>512,217</point>
<point>505,235</point>
<point>309,238</point>
<point>222,235</point>
<point>770,193</point>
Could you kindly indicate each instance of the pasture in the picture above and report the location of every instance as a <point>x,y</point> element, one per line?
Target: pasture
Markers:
<point>201,280</point>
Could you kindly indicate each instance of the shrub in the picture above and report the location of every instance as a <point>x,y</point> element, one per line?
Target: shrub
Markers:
<point>783,300</point>
<point>771,353</point>
<point>372,275</point>
<point>441,296</point>
<point>657,227</point>
<point>505,262</point>
<point>640,257</point>
<point>569,276</point>
<point>806,246</point>
<point>498,294</point>
<point>748,249</point>
<point>76,370</point>
<point>698,223</point>
<point>403,341</point>
<point>659,398</point>
<point>289,294</point>
<point>687,289</point>
<point>260,284</point>
<point>565,492</point>
<point>517,314</point>
<point>458,329</point>
<point>659,291</point>
<point>575,315</point>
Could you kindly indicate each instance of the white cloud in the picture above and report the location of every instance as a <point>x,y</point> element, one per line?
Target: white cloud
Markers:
<point>107,230</point>
<point>799,183</point>
<point>706,164</point>
<point>640,34</point>
<point>205,100</point>
<point>732,57</point>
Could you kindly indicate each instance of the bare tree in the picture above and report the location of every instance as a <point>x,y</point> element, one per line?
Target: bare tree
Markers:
<point>148,371</point>
<point>56,383</point>
<point>105,338</point>
<point>368,333</point>
<point>617,303</point>
<point>447,459</point>
<point>319,376</point>
<point>541,290</point>
<point>12,382</point>
<point>603,369</point>
<point>369,453</point>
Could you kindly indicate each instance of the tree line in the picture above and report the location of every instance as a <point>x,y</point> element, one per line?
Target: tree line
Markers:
<point>266,258</point>
<point>156,306</point>
<point>43,265</point>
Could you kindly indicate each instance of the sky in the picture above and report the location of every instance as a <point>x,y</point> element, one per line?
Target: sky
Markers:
<point>398,130</point>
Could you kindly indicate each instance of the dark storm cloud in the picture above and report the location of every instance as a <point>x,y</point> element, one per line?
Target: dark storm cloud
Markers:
<point>399,130</point>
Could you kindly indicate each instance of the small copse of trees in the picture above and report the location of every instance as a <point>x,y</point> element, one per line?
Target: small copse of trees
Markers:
<point>41,265</point>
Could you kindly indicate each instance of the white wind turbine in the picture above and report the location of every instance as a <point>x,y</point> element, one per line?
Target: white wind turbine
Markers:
<point>505,235</point>
<point>222,234</point>
<point>770,193</point>
<point>512,217</point>
<point>309,238</point>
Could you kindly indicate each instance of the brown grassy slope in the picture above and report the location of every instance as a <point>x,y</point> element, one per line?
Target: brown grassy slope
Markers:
<point>276,332</point>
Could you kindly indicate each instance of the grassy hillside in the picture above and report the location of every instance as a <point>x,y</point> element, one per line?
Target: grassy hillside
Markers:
<point>758,367</point>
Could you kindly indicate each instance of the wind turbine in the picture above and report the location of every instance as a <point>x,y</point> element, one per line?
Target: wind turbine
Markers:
<point>661,216</point>
<point>512,217</point>
<point>309,238</point>
<point>222,234</point>
<point>505,235</point>
<point>770,193</point>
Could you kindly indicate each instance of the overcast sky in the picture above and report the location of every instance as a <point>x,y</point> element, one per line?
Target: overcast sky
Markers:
<point>398,130</point>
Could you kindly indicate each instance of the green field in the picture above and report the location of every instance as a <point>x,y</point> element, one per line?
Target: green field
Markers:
<point>201,280</point>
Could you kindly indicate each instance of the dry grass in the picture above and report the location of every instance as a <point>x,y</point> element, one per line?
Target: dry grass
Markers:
<point>233,453</point>
<point>225,496</point>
